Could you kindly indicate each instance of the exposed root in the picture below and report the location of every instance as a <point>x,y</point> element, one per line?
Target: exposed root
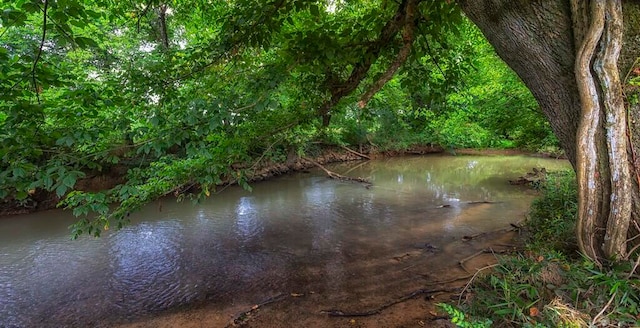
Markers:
<point>378,310</point>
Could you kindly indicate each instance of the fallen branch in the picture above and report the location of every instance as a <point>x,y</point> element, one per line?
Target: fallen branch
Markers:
<point>461,262</point>
<point>339,313</point>
<point>336,176</point>
<point>355,152</point>
<point>483,202</point>
<point>242,317</point>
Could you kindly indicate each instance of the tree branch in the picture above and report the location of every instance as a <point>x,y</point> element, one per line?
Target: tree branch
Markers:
<point>407,40</point>
<point>35,62</point>
<point>340,89</point>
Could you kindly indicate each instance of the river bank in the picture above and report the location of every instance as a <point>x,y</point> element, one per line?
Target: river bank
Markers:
<point>41,200</point>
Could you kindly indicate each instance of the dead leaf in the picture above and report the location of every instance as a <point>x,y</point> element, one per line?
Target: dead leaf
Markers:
<point>296,295</point>
<point>534,312</point>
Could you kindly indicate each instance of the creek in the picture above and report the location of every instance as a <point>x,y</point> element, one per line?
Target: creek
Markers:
<point>299,233</point>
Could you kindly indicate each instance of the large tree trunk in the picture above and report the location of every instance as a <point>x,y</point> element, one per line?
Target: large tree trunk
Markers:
<point>566,52</point>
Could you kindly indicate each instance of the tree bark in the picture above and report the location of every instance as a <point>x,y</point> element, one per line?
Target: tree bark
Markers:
<point>535,39</point>
<point>567,53</point>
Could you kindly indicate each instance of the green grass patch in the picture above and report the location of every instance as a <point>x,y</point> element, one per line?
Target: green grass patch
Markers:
<point>550,284</point>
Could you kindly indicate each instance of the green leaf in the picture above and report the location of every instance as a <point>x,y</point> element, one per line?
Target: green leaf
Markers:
<point>86,42</point>
<point>61,190</point>
<point>315,11</point>
<point>18,172</point>
<point>69,181</point>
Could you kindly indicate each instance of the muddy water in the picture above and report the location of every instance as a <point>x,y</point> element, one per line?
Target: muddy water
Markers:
<point>299,233</point>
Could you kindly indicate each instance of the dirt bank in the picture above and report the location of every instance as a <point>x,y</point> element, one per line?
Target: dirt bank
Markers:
<point>40,200</point>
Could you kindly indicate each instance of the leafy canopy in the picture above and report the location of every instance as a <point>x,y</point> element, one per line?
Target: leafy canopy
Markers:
<point>182,96</point>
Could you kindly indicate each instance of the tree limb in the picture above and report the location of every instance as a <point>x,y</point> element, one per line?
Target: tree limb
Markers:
<point>334,175</point>
<point>407,40</point>
<point>340,89</point>
<point>39,54</point>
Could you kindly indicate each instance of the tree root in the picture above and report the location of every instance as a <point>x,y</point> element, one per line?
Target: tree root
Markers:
<point>337,176</point>
<point>243,317</point>
<point>378,310</point>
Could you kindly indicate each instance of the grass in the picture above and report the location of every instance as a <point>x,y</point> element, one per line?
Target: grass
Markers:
<point>550,284</point>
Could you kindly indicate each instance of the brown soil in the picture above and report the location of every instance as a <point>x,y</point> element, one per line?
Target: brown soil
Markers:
<point>307,309</point>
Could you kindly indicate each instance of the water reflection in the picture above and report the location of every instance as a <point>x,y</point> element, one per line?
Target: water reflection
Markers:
<point>296,233</point>
<point>248,223</point>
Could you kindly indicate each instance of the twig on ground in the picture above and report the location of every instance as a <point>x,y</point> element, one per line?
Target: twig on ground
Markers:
<point>339,313</point>
<point>461,262</point>
<point>595,319</point>
<point>472,279</point>
<point>635,266</point>
<point>242,317</point>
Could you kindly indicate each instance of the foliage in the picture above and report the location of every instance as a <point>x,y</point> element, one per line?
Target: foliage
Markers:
<point>552,217</point>
<point>548,285</point>
<point>459,318</point>
<point>181,97</point>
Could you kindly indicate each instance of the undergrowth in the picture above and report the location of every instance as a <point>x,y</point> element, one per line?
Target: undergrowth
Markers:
<point>549,284</point>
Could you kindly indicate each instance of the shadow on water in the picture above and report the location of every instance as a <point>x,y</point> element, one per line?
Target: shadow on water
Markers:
<point>298,233</point>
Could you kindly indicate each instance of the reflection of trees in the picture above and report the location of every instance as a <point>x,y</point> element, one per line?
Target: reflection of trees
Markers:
<point>452,177</point>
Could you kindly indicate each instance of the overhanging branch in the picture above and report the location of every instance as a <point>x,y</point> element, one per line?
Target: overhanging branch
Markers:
<point>340,89</point>
<point>408,36</point>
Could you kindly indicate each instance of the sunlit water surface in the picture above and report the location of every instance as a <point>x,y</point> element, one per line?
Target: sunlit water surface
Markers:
<point>297,232</point>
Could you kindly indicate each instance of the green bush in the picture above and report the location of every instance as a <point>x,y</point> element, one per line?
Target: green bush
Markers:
<point>548,285</point>
<point>552,217</point>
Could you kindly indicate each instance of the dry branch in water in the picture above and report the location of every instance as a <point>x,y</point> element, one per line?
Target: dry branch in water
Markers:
<point>337,176</point>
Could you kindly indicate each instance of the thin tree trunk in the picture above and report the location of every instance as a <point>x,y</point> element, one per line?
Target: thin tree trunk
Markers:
<point>606,67</point>
<point>587,170</point>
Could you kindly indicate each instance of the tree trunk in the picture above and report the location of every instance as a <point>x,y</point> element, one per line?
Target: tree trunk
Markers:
<point>566,52</point>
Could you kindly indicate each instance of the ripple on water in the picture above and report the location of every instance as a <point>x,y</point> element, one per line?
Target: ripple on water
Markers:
<point>296,234</point>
